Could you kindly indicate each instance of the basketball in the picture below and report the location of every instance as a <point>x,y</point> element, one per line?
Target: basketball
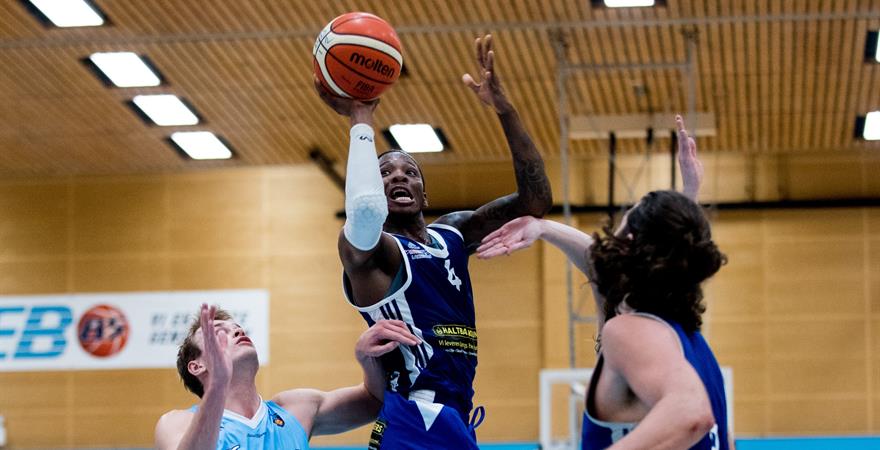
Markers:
<point>357,55</point>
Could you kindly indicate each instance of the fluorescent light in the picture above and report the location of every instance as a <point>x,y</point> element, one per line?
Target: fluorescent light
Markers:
<point>201,145</point>
<point>628,3</point>
<point>416,138</point>
<point>69,13</point>
<point>125,69</point>
<point>165,110</point>
<point>872,126</point>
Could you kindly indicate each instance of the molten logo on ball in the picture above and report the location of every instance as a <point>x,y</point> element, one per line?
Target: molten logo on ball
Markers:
<point>103,331</point>
<point>376,65</point>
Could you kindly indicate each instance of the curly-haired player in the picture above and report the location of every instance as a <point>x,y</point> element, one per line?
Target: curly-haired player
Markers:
<point>656,383</point>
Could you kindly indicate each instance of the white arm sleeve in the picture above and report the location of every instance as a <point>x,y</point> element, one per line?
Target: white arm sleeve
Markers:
<point>365,205</point>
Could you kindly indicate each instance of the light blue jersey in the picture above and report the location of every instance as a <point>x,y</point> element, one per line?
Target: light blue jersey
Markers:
<point>271,428</point>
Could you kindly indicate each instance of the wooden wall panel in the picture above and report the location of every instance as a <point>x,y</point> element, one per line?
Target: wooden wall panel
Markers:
<point>122,273</point>
<point>819,416</point>
<point>33,276</point>
<point>119,216</point>
<point>108,428</point>
<point>216,213</point>
<point>34,390</point>
<point>34,220</point>
<point>38,427</point>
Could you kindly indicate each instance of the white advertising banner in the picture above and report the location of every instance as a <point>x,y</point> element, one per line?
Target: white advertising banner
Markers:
<point>116,330</point>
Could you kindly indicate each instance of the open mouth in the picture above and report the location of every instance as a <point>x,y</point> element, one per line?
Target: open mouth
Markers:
<point>245,341</point>
<point>400,195</point>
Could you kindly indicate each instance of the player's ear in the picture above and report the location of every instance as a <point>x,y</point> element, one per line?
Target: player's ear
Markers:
<point>195,367</point>
<point>425,195</point>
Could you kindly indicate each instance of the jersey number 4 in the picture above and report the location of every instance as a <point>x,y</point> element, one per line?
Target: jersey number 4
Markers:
<point>452,278</point>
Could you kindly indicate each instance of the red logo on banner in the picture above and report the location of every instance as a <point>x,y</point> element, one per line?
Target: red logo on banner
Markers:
<point>103,331</point>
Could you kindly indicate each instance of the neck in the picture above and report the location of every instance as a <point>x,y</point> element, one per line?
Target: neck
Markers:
<point>242,397</point>
<point>412,227</point>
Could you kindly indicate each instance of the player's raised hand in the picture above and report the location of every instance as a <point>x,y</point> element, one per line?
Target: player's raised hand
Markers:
<point>515,235</point>
<point>217,360</point>
<point>383,337</point>
<point>486,84</point>
<point>690,165</point>
<point>343,106</point>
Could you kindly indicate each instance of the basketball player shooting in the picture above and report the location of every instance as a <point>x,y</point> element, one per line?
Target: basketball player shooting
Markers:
<point>396,267</point>
<point>219,365</point>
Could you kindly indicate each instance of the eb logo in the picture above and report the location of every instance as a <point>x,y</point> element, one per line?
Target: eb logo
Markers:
<point>39,331</point>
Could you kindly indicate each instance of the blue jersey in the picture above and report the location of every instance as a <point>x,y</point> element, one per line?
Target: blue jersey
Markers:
<point>598,434</point>
<point>271,428</point>
<point>436,302</point>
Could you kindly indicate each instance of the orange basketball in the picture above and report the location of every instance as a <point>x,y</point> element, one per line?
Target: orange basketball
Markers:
<point>357,55</point>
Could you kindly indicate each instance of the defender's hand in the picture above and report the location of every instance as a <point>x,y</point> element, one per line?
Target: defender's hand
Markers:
<point>515,235</point>
<point>383,337</point>
<point>487,86</point>
<point>690,165</point>
<point>218,362</point>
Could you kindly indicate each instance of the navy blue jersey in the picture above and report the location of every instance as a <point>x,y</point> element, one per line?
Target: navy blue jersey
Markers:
<point>271,428</point>
<point>436,302</point>
<point>598,434</point>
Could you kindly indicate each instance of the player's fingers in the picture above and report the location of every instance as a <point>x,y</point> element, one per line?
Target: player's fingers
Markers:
<point>380,350</point>
<point>497,250</point>
<point>507,240</point>
<point>490,66</point>
<point>493,252</point>
<point>203,314</point>
<point>682,133</point>
<point>496,234</point>
<point>493,240</point>
<point>468,81</point>
<point>398,326</point>
<point>692,147</point>
<point>322,92</point>
<point>490,61</point>
<point>478,46</point>
<point>391,335</point>
<point>404,336</point>
<point>391,322</point>
<point>487,247</point>
<point>222,340</point>
<point>204,323</point>
<point>207,319</point>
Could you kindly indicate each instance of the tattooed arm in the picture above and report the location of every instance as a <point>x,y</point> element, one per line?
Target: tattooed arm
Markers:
<point>532,196</point>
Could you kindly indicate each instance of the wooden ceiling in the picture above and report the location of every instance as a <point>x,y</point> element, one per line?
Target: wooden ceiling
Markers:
<point>780,76</point>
